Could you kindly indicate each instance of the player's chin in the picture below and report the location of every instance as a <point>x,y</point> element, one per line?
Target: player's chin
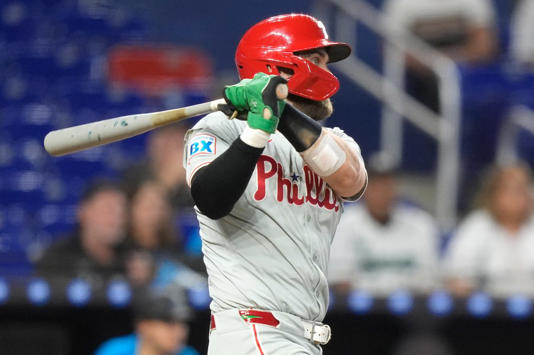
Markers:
<point>318,110</point>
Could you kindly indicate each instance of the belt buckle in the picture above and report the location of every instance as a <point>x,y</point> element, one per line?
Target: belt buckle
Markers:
<point>320,336</point>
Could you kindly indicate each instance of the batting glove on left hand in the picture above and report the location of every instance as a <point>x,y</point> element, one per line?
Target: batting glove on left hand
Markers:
<point>258,97</point>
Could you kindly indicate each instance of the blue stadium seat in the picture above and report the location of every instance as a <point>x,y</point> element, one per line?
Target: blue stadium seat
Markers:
<point>22,187</point>
<point>16,23</point>
<point>15,91</point>
<point>49,78</point>
<point>55,220</point>
<point>74,166</point>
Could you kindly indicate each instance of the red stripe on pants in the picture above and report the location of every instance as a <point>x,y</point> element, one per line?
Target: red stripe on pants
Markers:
<point>256,339</point>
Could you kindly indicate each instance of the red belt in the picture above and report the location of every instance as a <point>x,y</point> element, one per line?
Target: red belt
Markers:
<point>253,316</point>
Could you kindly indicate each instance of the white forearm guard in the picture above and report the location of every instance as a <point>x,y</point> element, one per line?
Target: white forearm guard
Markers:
<point>325,156</point>
<point>255,137</point>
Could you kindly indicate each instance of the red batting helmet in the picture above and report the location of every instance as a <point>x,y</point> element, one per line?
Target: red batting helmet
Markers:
<point>271,44</point>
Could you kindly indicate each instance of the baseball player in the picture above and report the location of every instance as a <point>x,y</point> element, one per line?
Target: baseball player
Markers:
<point>269,191</point>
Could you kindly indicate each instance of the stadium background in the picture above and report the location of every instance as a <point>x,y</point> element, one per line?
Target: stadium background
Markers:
<point>54,73</point>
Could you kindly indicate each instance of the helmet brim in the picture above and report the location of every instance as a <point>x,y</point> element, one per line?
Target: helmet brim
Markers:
<point>337,51</point>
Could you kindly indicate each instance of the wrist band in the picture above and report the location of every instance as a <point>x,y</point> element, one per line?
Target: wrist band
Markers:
<point>300,130</point>
<point>254,137</point>
<point>325,156</point>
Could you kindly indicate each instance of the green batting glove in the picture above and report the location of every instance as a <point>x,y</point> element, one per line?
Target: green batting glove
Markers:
<point>258,97</point>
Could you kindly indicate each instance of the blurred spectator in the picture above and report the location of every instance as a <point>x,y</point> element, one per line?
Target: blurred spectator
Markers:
<point>461,29</point>
<point>156,258</point>
<point>151,225</point>
<point>93,250</point>
<point>160,329</point>
<point>522,27</point>
<point>382,245</point>
<point>493,247</point>
<point>163,163</point>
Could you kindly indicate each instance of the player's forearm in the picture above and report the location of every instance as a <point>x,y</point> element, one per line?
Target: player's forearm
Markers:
<point>327,154</point>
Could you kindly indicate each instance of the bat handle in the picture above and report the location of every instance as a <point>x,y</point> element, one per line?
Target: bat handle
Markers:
<point>281,91</point>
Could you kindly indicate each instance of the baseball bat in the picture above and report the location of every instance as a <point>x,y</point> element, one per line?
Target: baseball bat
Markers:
<point>76,138</point>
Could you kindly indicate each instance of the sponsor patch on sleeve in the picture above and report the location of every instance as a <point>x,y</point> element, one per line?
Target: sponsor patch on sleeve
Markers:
<point>202,144</point>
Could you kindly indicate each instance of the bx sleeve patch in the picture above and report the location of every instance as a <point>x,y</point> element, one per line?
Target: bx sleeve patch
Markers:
<point>202,144</point>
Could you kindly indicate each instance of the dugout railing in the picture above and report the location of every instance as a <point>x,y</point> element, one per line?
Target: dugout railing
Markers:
<point>520,118</point>
<point>342,17</point>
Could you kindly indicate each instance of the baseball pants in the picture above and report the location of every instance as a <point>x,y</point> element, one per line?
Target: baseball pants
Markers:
<point>233,333</point>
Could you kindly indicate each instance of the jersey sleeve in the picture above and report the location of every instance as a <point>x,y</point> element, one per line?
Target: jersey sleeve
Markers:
<point>207,140</point>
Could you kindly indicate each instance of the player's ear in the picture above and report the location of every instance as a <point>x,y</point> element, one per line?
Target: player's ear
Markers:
<point>285,73</point>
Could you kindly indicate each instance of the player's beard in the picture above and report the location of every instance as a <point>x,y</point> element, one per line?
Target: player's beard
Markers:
<point>318,110</point>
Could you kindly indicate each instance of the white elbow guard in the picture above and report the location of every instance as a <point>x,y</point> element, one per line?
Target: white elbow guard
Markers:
<point>325,156</point>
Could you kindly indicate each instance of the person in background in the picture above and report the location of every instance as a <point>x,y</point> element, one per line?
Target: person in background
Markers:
<point>461,29</point>
<point>522,30</point>
<point>151,226</point>
<point>155,256</point>
<point>93,250</point>
<point>381,244</point>
<point>493,248</point>
<point>163,164</point>
<point>160,329</point>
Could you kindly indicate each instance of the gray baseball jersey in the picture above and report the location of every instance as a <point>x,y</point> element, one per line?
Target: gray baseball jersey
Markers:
<point>271,252</point>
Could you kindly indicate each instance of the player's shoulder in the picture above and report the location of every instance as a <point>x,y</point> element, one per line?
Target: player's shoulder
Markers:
<point>188,350</point>
<point>477,220</point>
<point>354,211</point>
<point>477,228</point>
<point>218,124</point>
<point>118,346</point>
<point>409,210</point>
<point>415,217</point>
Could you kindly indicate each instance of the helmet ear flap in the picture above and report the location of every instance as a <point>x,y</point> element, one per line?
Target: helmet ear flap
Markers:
<point>310,81</point>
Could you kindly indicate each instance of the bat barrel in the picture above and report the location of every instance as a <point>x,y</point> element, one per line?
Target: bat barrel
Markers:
<point>74,139</point>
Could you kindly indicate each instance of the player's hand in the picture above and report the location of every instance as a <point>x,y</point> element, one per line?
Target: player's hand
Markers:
<point>258,97</point>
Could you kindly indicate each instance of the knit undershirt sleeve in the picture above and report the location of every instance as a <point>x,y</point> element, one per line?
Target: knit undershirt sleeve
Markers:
<point>216,187</point>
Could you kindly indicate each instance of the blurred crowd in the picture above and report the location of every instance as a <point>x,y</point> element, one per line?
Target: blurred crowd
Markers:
<point>128,228</point>
<point>132,228</point>
<point>385,243</point>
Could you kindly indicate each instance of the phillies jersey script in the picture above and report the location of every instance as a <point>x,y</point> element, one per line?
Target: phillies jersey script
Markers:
<point>271,252</point>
